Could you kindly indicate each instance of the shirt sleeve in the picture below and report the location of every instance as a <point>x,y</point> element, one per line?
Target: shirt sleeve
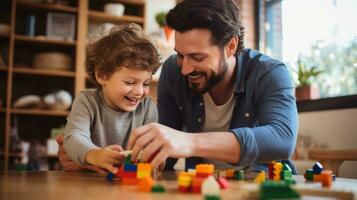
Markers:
<point>274,137</point>
<point>169,113</point>
<point>151,114</point>
<point>77,141</point>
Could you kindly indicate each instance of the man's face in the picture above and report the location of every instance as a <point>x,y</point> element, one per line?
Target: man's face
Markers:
<point>202,63</point>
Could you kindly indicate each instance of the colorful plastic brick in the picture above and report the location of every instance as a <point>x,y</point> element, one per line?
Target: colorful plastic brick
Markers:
<point>239,175</point>
<point>318,168</point>
<point>110,176</point>
<point>229,173</point>
<point>223,183</point>
<point>158,188</point>
<point>309,175</point>
<point>260,178</point>
<point>210,187</point>
<point>277,190</point>
<point>212,197</point>
<point>145,184</point>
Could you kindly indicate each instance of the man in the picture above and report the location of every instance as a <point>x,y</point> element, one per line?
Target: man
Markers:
<point>216,100</point>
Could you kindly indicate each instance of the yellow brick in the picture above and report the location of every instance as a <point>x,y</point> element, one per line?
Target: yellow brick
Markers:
<point>142,174</point>
<point>278,166</point>
<point>184,180</point>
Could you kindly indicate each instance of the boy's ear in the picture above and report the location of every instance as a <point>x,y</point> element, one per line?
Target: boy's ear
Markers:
<point>100,78</point>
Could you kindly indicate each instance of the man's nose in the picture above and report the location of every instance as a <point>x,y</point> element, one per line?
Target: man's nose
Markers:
<point>186,67</point>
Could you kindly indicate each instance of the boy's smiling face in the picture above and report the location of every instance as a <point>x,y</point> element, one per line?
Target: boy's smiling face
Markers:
<point>125,88</point>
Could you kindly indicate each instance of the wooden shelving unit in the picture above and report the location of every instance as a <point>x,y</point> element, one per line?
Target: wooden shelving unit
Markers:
<point>43,72</point>
<point>97,16</point>
<point>43,40</point>
<point>19,78</point>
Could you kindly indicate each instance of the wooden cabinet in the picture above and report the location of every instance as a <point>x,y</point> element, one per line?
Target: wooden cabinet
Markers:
<point>18,48</point>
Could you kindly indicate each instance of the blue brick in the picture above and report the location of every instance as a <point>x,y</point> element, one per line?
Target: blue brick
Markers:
<point>318,168</point>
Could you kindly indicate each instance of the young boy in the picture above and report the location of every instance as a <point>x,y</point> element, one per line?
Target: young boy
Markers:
<point>121,65</point>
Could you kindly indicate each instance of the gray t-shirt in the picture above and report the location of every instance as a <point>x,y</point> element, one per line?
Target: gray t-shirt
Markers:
<point>93,124</point>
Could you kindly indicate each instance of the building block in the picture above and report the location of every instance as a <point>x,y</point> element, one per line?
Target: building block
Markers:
<point>127,160</point>
<point>205,169</point>
<point>229,173</point>
<point>223,183</point>
<point>196,189</point>
<point>110,176</point>
<point>239,175</point>
<point>326,180</point>
<point>129,181</point>
<point>287,167</point>
<point>145,184</point>
<point>158,188</point>
<point>212,197</point>
<point>210,187</point>
<point>144,167</point>
<point>317,177</point>
<point>130,167</point>
<point>260,178</point>
<point>317,168</point>
<point>309,175</point>
<point>277,190</point>
<point>184,180</point>
<point>285,174</point>
<point>184,189</point>
<point>142,174</point>
<point>128,174</point>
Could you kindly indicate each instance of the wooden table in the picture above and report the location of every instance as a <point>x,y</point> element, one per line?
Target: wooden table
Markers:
<point>64,186</point>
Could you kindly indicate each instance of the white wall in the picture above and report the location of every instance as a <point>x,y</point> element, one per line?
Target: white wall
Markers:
<point>153,7</point>
<point>337,129</point>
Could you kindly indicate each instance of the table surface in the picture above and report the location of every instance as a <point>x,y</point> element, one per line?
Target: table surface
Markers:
<point>69,185</point>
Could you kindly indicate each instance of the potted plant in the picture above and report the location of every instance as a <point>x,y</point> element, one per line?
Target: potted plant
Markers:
<point>305,90</point>
<point>160,19</point>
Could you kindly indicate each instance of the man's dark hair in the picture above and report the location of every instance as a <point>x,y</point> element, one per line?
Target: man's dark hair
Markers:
<point>221,17</point>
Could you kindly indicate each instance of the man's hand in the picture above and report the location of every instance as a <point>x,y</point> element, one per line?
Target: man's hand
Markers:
<point>68,164</point>
<point>106,157</point>
<point>159,142</point>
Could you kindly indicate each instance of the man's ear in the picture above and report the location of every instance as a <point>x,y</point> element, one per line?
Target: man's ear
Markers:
<point>232,46</point>
<point>100,78</point>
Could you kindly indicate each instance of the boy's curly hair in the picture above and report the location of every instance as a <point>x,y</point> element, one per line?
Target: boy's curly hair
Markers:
<point>124,46</point>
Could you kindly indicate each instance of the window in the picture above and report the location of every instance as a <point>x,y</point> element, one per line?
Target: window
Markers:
<point>319,33</point>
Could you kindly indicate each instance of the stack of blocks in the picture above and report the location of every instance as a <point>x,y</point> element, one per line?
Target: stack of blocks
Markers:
<point>280,172</point>
<point>196,181</point>
<point>136,174</point>
<point>317,173</point>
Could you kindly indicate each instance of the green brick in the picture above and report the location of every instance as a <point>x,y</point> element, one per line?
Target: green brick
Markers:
<point>309,174</point>
<point>277,190</point>
<point>285,174</point>
<point>212,197</point>
<point>158,188</point>
<point>239,174</point>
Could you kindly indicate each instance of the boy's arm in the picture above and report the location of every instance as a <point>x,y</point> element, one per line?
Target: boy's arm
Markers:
<point>77,135</point>
<point>68,164</point>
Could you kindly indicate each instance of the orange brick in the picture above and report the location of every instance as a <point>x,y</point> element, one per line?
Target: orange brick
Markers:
<point>145,184</point>
<point>317,177</point>
<point>229,173</point>
<point>144,167</point>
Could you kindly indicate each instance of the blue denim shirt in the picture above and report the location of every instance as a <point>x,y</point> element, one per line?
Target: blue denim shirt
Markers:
<point>264,118</point>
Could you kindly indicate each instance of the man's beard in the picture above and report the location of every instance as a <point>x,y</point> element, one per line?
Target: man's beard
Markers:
<point>213,80</point>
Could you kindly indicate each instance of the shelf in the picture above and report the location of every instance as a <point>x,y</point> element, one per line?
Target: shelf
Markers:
<point>47,6</point>
<point>2,68</point>
<point>44,40</point>
<point>97,16</point>
<point>2,35</point>
<point>44,72</point>
<point>40,112</point>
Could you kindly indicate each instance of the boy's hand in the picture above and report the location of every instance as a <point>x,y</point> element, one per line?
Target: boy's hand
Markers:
<point>70,165</point>
<point>106,157</point>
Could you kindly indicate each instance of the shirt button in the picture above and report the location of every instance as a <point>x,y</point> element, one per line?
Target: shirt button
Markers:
<point>247,115</point>
<point>181,108</point>
<point>199,119</point>
<point>201,104</point>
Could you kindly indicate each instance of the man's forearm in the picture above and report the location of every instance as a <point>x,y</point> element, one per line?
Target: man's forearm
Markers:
<point>222,146</point>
